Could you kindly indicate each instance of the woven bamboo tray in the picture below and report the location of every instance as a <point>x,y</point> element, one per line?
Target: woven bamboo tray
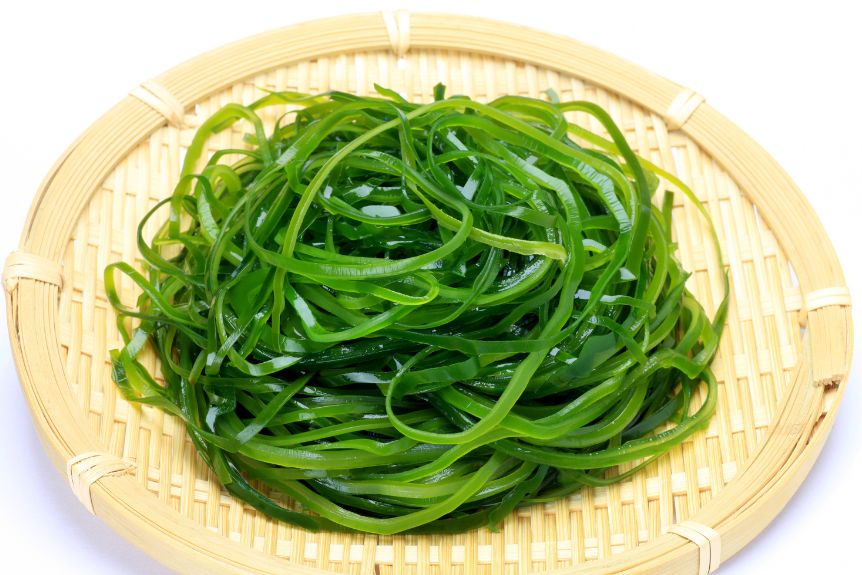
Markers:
<point>782,365</point>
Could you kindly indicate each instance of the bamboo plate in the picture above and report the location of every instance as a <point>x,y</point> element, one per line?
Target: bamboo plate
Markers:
<point>782,365</point>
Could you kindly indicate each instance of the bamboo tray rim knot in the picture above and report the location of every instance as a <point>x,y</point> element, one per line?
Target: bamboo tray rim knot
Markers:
<point>21,264</point>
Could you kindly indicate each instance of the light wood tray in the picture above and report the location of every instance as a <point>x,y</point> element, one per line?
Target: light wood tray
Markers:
<point>782,365</point>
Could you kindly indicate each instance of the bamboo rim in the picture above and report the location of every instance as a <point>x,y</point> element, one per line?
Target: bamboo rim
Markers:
<point>742,509</point>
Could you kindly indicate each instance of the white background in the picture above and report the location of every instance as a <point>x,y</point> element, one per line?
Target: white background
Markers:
<point>788,74</point>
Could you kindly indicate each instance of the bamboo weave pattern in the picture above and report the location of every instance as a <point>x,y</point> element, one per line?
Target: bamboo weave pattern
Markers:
<point>761,345</point>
